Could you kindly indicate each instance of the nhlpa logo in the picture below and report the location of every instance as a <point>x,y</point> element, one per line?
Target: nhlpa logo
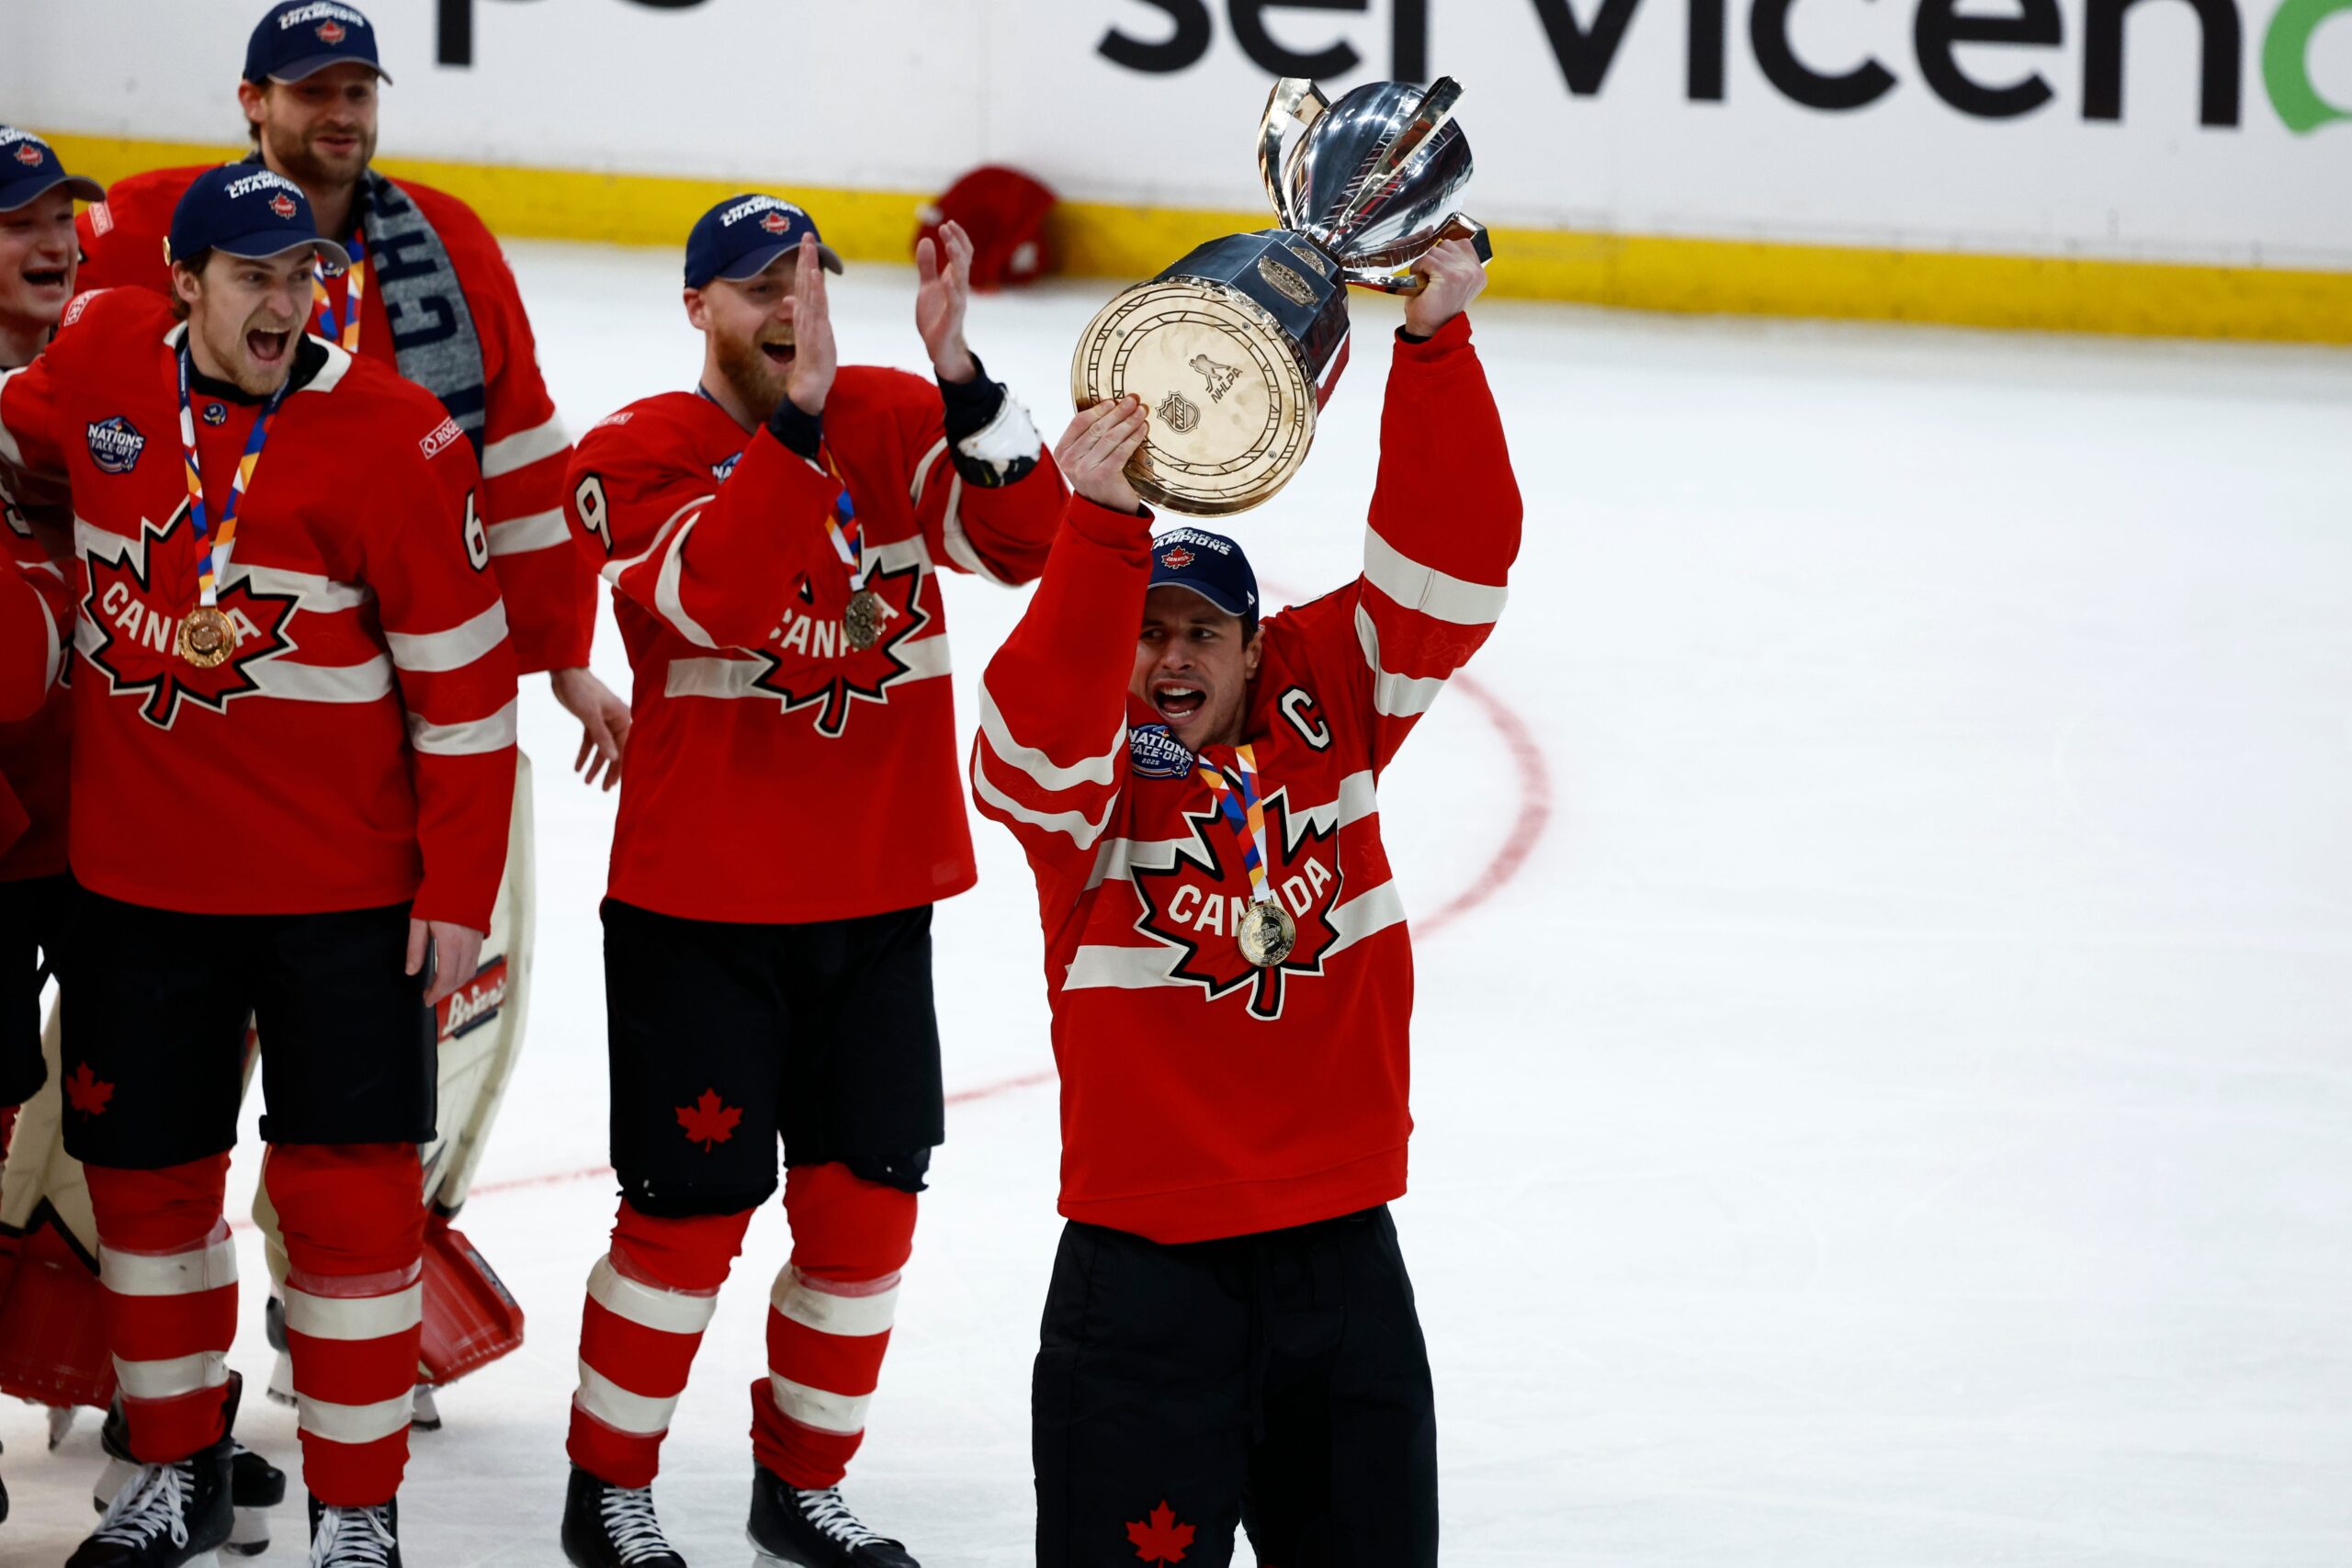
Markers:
<point>775,222</point>
<point>1154,753</point>
<point>282,204</point>
<point>331,33</point>
<point>114,445</point>
<point>1178,559</point>
<point>28,155</point>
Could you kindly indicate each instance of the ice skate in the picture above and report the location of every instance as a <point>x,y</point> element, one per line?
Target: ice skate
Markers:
<point>355,1538</point>
<point>606,1525</point>
<point>814,1528</point>
<point>164,1516</point>
<point>255,1485</point>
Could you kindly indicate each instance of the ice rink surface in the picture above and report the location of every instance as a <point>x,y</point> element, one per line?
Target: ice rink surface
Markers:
<point>1900,1111</point>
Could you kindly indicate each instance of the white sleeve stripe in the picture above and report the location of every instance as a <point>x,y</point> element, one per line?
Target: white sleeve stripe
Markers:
<point>1075,825</point>
<point>666,597</point>
<point>9,450</point>
<point>354,1319</point>
<point>56,645</point>
<point>1396,696</point>
<point>172,1376</point>
<point>1427,590</point>
<point>190,1271</point>
<point>647,1306</point>
<point>612,569</point>
<point>923,472</point>
<point>522,449</point>
<point>821,1408</point>
<point>537,531</point>
<point>471,738</point>
<point>1042,769</point>
<point>429,653</point>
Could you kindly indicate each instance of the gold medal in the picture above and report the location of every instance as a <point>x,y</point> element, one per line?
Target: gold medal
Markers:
<point>1267,934</point>
<point>862,622</point>
<point>207,637</point>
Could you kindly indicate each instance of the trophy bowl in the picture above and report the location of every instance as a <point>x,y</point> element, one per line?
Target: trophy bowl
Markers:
<point>1235,347</point>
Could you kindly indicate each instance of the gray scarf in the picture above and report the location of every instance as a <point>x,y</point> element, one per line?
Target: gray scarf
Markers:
<point>433,332</point>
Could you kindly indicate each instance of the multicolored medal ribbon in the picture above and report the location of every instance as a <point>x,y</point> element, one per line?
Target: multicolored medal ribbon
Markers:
<point>1267,933</point>
<point>355,294</point>
<point>207,637</point>
<point>861,619</point>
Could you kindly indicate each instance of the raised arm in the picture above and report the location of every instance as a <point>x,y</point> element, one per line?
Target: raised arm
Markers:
<point>1444,523</point>
<point>1051,754</point>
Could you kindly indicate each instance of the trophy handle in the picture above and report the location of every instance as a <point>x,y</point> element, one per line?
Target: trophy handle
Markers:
<point>1294,105</point>
<point>1436,112</point>
<point>1389,277</point>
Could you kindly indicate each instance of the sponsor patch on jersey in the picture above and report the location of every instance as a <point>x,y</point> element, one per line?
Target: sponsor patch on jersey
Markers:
<point>114,445</point>
<point>473,1004</point>
<point>725,466</point>
<point>439,439</point>
<point>1154,753</point>
<point>80,303</point>
<point>101,218</point>
<point>621,418</point>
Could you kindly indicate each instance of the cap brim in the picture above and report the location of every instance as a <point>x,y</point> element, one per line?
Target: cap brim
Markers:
<point>274,242</point>
<point>750,264</point>
<point>83,187</point>
<point>1239,611</point>
<point>312,64</point>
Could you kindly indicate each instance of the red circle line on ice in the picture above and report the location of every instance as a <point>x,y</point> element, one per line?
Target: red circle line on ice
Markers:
<point>1533,816</point>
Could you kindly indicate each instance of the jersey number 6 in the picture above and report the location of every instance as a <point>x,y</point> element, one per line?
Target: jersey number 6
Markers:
<point>477,537</point>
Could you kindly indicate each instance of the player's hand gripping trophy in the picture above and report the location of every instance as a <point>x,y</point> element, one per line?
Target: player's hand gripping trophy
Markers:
<point>1234,348</point>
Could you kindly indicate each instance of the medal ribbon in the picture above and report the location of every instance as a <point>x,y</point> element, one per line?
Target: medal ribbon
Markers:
<point>1245,815</point>
<point>355,294</point>
<point>842,527</point>
<point>216,553</point>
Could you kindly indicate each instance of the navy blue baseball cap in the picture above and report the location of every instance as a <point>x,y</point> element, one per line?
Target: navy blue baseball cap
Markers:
<point>28,167</point>
<point>1210,565</point>
<point>300,37</point>
<point>242,210</point>
<point>742,236</point>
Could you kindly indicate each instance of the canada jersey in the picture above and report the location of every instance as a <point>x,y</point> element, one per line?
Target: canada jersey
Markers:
<point>1203,1096</point>
<point>777,773</point>
<point>36,632</point>
<point>356,748</point>
<point>551,598</point>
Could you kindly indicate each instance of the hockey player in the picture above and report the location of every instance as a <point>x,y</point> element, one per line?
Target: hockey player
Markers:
<point>1229,1335</point>
<point>294,730</point>
<point>427,292</point>
<point>37,265</point>
<point>789,814</point>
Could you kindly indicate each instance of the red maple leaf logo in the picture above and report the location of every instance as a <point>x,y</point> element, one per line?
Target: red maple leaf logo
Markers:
<point>282,204</point>
<point>87,1093</point>
<point>775,222</point>
<point>1180,558</point>
<point>1192,903</point>
<point>136,628</point>
<point>811,665</point>
<point>28,154</point>
<point>1159,1538</point>
<point>331,33</point>
<point>709,1120</point>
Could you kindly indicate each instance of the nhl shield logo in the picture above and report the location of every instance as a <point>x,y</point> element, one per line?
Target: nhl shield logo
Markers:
<point>1180,413</point>
<point>28,155</point>
<point>282,204</point>
<point>331,33</point>
<point>114,445</point>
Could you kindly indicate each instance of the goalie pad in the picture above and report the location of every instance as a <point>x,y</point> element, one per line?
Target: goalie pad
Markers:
<point>52,1311</point>
<point>470,1318</point>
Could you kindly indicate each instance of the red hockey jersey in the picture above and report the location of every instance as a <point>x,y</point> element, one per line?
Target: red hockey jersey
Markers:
<point>551,598</point>
<point>357,749</point>
<point>38,520</point>
<point>775,773</point>
<point>36,628</point>
<point>1203,1097</point>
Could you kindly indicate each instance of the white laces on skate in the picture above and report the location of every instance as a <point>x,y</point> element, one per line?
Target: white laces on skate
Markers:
<point>629,1524</point>
<point>153,1504</point>
<point>353,1538</point>
<point>824,1508</point>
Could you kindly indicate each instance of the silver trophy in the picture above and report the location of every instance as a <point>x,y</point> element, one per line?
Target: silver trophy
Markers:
<point>1235,347</point>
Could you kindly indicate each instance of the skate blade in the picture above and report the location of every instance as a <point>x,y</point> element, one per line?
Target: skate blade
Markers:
<point>762,1558</point>
<point>249,1535</point>
<point>61,1421</point>
<point>281,1381</point>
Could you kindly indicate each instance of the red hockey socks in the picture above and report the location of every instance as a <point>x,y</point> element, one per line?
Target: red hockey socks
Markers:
<point>353,1215</point>
<point>170,1275</point>
<point>829,1321</point>
<point>649,1301</point>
